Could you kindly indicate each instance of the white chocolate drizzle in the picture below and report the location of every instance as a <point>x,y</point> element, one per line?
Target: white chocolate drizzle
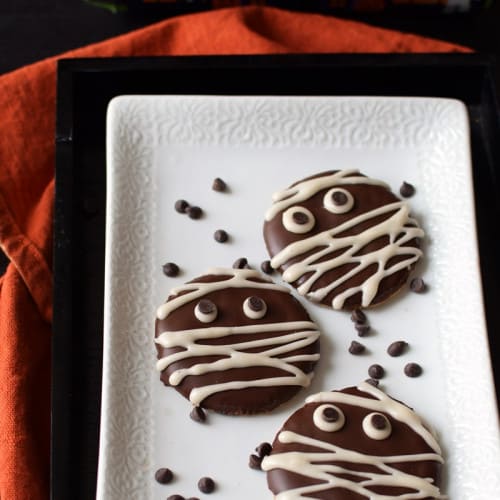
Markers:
<point>273,349</point>
<point>306,189</point>
<point>320,466</point>
<point>400,229</point>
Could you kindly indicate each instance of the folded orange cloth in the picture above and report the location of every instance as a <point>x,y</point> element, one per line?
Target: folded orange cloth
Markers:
<point>27,103</point>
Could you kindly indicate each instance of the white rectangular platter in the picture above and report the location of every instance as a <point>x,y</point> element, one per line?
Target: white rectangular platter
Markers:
<point>164,148</point>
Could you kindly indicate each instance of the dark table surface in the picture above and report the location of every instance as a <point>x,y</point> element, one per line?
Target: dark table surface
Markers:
<point>34,29</point>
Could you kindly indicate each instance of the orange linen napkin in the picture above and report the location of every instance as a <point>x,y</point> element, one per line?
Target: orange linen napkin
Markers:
<point>27,104</point>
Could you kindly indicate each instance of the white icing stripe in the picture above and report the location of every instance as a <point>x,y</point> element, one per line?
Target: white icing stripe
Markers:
<point>315,466</point>
<point>233,357</point>
<point>305,189</point>
<point>382,403</point>
<point>399,223</point>
<point>240,278</point>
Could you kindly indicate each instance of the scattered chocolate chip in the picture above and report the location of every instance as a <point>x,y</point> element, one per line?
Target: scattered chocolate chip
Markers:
<point>255,303</point>
<point>241,263</point>
<point>358,316</point>
<point>164,475</point>
<point>219,185</point>
<point>266,267</point>
<point>397,348</point>
<point>406,190</point>
<point>206,485</point>
<point>193,498</point>
<point>194,212</point>
<point>372,381</point>
<point>264,449</point>
<point>181,206</point>
<point>206,306</point>
<point>379,421</point>
<point>300,218</point>
<point>376,371</point>
<point>170,269</point>
<point>362,329</point>
<point>221,236</point>
<point>356,348</point>
<point>330,414</point>
<point>418,285</point>
<point>175,497</point>
<point>339,198</point>
<point>254,462</point>
<point>413,370</point>
<point>197,414</point>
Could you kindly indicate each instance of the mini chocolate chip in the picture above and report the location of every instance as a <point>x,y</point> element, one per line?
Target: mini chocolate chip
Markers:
<point>362,329</point>
<point>339,198</point>
<point>206,485</point>
<point>330,414</point>
<point>418,285</point>
<point>175,497</point>
<point>406,190</point>
<point>197,414</point>
<point>264,449</point>
<point>266,267</point>
<point>181,206</point>
<point>376,371</point>
<point>379,421</point>
<point>254,462</point>
<point>397,348</point>
<point>413,370</point>
<point>358,316</point>
<point>300,218</point>
<point>221,236</point>
<point>241,263</point>
<point>218,184</point>
<point>194,212</point>
<point>255,303</point>
<point>206,306</point>
<point>164,475</point>
<point>193,498</point>
<point>170,269</point>
<point>356,348</point>
<point>372,381</point>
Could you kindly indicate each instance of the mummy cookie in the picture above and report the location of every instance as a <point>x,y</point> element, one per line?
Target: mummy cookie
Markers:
<point>235,342</point>
<point>342,239</point>
<point>353,444</point>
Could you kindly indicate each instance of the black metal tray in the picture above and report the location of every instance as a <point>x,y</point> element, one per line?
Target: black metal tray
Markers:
<point>86,86</point>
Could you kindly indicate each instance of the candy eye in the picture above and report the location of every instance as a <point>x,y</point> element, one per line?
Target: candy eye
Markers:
<point>377,426</point>
<point>205,311</point>
<point>298,220</point>
<point>338,201</point>
<point>328,418</point>
<point>254,307</point>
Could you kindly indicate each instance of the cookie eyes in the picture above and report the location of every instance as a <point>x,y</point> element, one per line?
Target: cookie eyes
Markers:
<point>205,311</point>
<point>298,220</point>
<point>328,418</point>
<point>338,201</point>
<point>377,426</point>
<point>254,307</point>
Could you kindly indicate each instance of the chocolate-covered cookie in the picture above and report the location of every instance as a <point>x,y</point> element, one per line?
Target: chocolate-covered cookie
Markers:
<point>353,444</point>
<point>235,342</point>
<point>342,239</point>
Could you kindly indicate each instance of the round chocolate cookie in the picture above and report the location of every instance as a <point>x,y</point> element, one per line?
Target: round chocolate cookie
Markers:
<point>353,444</point>
<point>235,342</point>
<point>342,239</point>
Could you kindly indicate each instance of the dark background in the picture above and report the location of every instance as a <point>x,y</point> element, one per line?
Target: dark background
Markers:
<point>34,29</point>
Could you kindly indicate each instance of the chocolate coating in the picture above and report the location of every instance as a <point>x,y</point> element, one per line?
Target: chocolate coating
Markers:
<point>282,307</point>
<point>403,441</point>
<point>367,198</point>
